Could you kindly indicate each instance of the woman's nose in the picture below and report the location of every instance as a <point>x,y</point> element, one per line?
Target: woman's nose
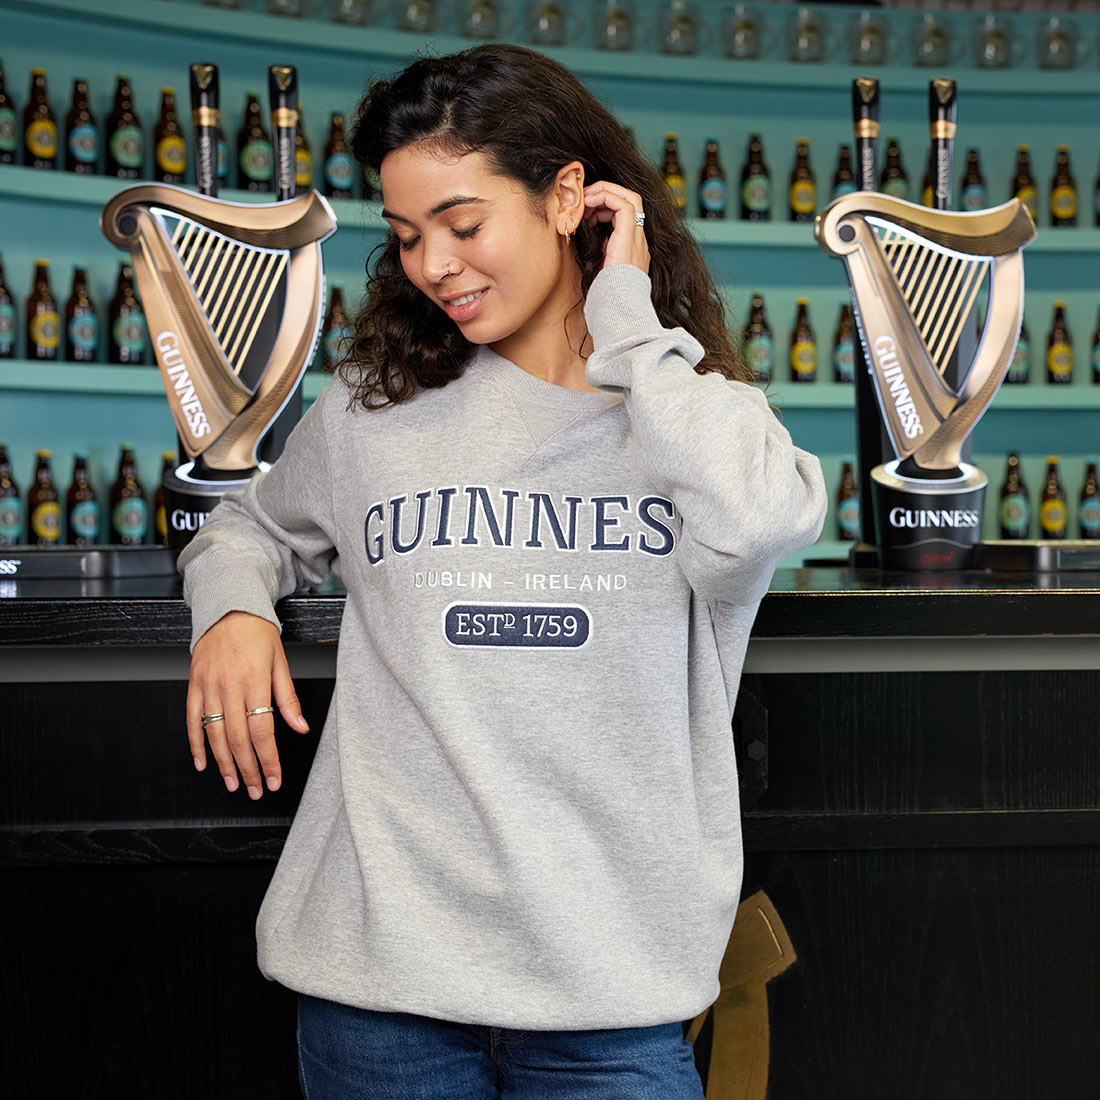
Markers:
<point>438,263</point>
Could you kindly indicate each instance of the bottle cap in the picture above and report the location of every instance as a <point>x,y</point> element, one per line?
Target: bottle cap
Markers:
<point>168,456</point>
<point>670,136</point>
<point>1062,148</point>
<point>43,453</point>
<point>1023,148</point>
<point>1052,458</point>
<point>167,91</point>
<point>1059,303</point>
<point>802,301</point>
<point>42,263</point>
<point>80,454</point>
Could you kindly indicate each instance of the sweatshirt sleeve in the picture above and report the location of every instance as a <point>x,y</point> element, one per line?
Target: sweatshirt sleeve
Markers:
<point>269,539</point>
<point>747,495</point>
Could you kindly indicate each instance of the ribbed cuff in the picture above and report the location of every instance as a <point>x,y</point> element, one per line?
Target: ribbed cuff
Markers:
<point>619,305</point>
<point>215,592</point>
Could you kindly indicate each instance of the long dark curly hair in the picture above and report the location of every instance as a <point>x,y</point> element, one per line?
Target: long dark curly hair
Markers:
<point>530,116</point>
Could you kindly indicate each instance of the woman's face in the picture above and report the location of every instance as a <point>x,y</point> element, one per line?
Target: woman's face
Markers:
<point>510,275</point>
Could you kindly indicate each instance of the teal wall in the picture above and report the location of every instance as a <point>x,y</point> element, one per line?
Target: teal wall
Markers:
<point>67,407</point>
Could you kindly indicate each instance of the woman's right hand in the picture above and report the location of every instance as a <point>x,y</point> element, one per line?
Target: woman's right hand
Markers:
<point>237,666</point>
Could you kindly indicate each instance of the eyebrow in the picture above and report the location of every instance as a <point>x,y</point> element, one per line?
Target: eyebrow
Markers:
<point>456,200</point>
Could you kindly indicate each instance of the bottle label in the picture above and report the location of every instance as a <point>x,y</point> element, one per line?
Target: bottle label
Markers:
<point>1060,361</point>
<point>84,143</point>
<point>130,518</point>
<point>1015,515</point>
<point>160,521</point>
<point>927,198</point>
<point>7,327</point>
<point>803,197</point>
<point>129,332</point>
<point>340,171</point>
<point>758,356</point>
<point>804,359</point>
<point>8,130</point>
<point>845,188</point>
<point>847,518</point>
<point>45,330</point>
<point>1052,517</point>
<point>844,361</point>
<point>46,521</point>
<point>336,342</point>
<point>973,197</point>
<point>1088,515</point>
<point>1019,368</point>
<point>678,189</point>
<point>127,147</point>
<point>303,169</point>
<point>257,162</point>
<point>896,188</point>
<point>372,184</point>
<point>1096,204</point>
<point>1030,198</point>
<point>11,519</point>
<point>1063,203</point>
<point>84,332</point>
<point>713,196</point>
<point>42,138</point>
<point>172,155</point>
<point>1096,363</point>
<point>84,520</point>
<point>223,161</point>
<point>756,193</point>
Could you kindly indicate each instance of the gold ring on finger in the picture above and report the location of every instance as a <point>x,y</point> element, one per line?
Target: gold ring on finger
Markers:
<point>212,718</point>
<point>260,710</point>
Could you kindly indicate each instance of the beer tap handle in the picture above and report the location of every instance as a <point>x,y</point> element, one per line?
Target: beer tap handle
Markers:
<point>865,107</point>
<point>204,113</point>
<point>282,84</point>
<point>943,104</point>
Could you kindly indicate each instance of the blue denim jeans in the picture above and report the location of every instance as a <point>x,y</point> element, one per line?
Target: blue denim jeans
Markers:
<point>347,1053</point>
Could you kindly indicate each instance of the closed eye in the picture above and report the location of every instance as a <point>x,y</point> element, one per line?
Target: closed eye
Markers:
<point>406,245</point>
<point>466,234</point>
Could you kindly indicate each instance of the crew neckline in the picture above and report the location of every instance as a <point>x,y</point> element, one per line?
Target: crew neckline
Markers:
<point>523,382</point>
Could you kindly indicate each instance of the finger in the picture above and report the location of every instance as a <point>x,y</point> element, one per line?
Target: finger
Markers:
<point>196,738</point>
<point>262,729</point>
<point>219,744</point>
<point>239,737</point>
<point>286,698</point>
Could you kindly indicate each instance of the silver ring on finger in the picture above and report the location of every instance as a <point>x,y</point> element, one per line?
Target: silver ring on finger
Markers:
<point>260,710</point>
<point>207,718</point>
<point>639,218</point>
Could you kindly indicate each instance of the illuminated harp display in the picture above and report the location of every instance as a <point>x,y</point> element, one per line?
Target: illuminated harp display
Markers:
<point>915,275</point>
<point>234,298</point>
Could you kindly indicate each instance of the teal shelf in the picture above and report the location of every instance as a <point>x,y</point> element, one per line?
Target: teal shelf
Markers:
<point>256,28</point>
<point>18,182</point>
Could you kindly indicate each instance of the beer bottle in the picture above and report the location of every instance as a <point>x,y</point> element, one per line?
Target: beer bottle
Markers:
<point>894,180</point>
<point>1088,509</point>
<point>170,147</point>
<point>803,190</point>
<point>129,515</point>
<point>756,186</point>
<point>1059,347</point>
<point>303,158</point>
<point>847,504</point>
<point>1015,508</point>
<point>43,323</point>
<point>7,319</point>
<point>223,160</point>
<point>11,504</point>
<point>844,178</point>
<point>9,130</point>
<point>713,194</point>
<point>255,159</point>
<point>372,184</point>
<point>127,333</point>
<point>336,333</point>
<point>81,506</point>
<point>339,167</point>
<point>756,341</point>
<point>81,134</point>
<point>1063,191</point>
<point>1023,183</point>
<point>125,139</point>
<point>1020,367</point>
<point>1052,505</point>
<point>674,174</point>
<point>803,344</point>
<point>39,126</point>
<point>81,324</point>
<point>1096,352</point>
<point>972,193</point>
<point>160,513</point>
<point>43,511</point>
<point>844,346</point>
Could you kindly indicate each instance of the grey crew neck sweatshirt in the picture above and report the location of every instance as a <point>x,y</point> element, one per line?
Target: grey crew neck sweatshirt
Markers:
<point>523,807</point>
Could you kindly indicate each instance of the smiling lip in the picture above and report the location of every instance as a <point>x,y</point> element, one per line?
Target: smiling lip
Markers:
<point>464,312</point>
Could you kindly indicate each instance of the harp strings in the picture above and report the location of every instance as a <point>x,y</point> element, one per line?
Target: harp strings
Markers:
<point>232,283</point>
<point>939,287</point>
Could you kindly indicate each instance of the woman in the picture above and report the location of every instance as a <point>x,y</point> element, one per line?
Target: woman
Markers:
<point>555,505</point>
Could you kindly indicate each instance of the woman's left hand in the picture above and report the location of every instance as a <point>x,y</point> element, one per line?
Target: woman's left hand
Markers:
<point>608,202</point>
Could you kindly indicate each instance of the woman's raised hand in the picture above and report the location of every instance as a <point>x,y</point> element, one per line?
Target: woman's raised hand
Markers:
<point>236,667</point>
<point>608,202</point>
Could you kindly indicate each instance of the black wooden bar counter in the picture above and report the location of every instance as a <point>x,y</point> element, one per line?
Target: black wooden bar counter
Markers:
<point>920,767</point>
